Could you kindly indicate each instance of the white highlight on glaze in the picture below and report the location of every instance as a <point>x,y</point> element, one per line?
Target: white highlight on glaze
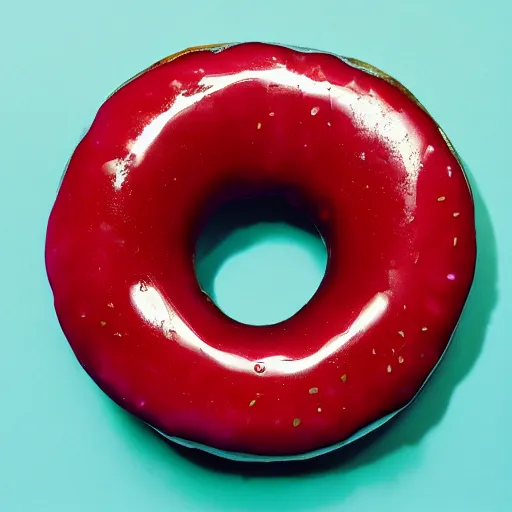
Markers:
<point>156,311</point>
<point>389,369</point>
<point>428,151</point>
<point>118,169</point>
<point>315,110</point>
<point>369,112</point>
<point>362,156</point>
<point>401,334</point>
<point>451,277</point>
<point>456,214</point>
<point>271,114</point>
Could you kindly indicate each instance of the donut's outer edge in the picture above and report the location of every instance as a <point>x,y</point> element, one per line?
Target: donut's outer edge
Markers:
<point>372,70</point>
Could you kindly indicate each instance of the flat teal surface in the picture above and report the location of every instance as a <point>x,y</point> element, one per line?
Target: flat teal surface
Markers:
<point>65,447</point>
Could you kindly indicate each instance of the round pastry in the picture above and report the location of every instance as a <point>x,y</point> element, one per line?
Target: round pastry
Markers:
<point>333,137</point>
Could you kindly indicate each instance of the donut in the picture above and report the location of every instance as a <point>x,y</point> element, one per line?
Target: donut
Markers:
<point>336,139</point>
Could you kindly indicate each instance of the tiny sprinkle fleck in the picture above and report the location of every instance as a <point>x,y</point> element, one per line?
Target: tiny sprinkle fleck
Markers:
<point>454,241</point>
<point>373,351</point>
<point>400,360</point>
<point>401,333</point>
<point>296,422</point>
<point>424,329</point>
<point>251,403</point>
<point>110,305</point>
<point>103,323</point>
<point>389,368</point>
<point>118,334</point>
<point>329,123</point>
<point>271,114</point>
<point>456,214</point>
<point>258,126</point>
<point>451,277</point>
<point>441,198</point>
<point>315,110</point>
<point>344,378</point>
<point>313,391</point>
<point>259,368</point>
<point>319,409</point>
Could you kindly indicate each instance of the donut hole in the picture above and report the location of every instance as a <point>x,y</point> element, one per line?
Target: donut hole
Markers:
<point>260,259</point>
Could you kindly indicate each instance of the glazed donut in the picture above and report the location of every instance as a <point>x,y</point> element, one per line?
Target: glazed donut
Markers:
<point>332,137</point>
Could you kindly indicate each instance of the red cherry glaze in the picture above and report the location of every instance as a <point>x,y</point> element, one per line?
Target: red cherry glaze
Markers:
<point>388,194</point>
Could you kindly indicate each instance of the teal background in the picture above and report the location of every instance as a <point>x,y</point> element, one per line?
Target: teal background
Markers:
<point>64,446</point>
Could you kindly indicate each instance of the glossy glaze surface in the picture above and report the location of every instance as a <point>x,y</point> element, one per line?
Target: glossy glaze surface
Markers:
<point>372,168</point>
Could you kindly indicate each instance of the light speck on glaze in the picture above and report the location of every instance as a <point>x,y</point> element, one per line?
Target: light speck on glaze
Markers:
<point>441,199</point>
<point>400,359</point>
<point>456,214</point>
<point>401,333</point>
<point>344,378</point>
<point>103,323</point>
<point>313,391</point>
<point>258,126</point>
<point>251,403</point>
<point>315,110</point>
<point>424,329</point>
<point>389,369</point>
<point>296,422</point>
